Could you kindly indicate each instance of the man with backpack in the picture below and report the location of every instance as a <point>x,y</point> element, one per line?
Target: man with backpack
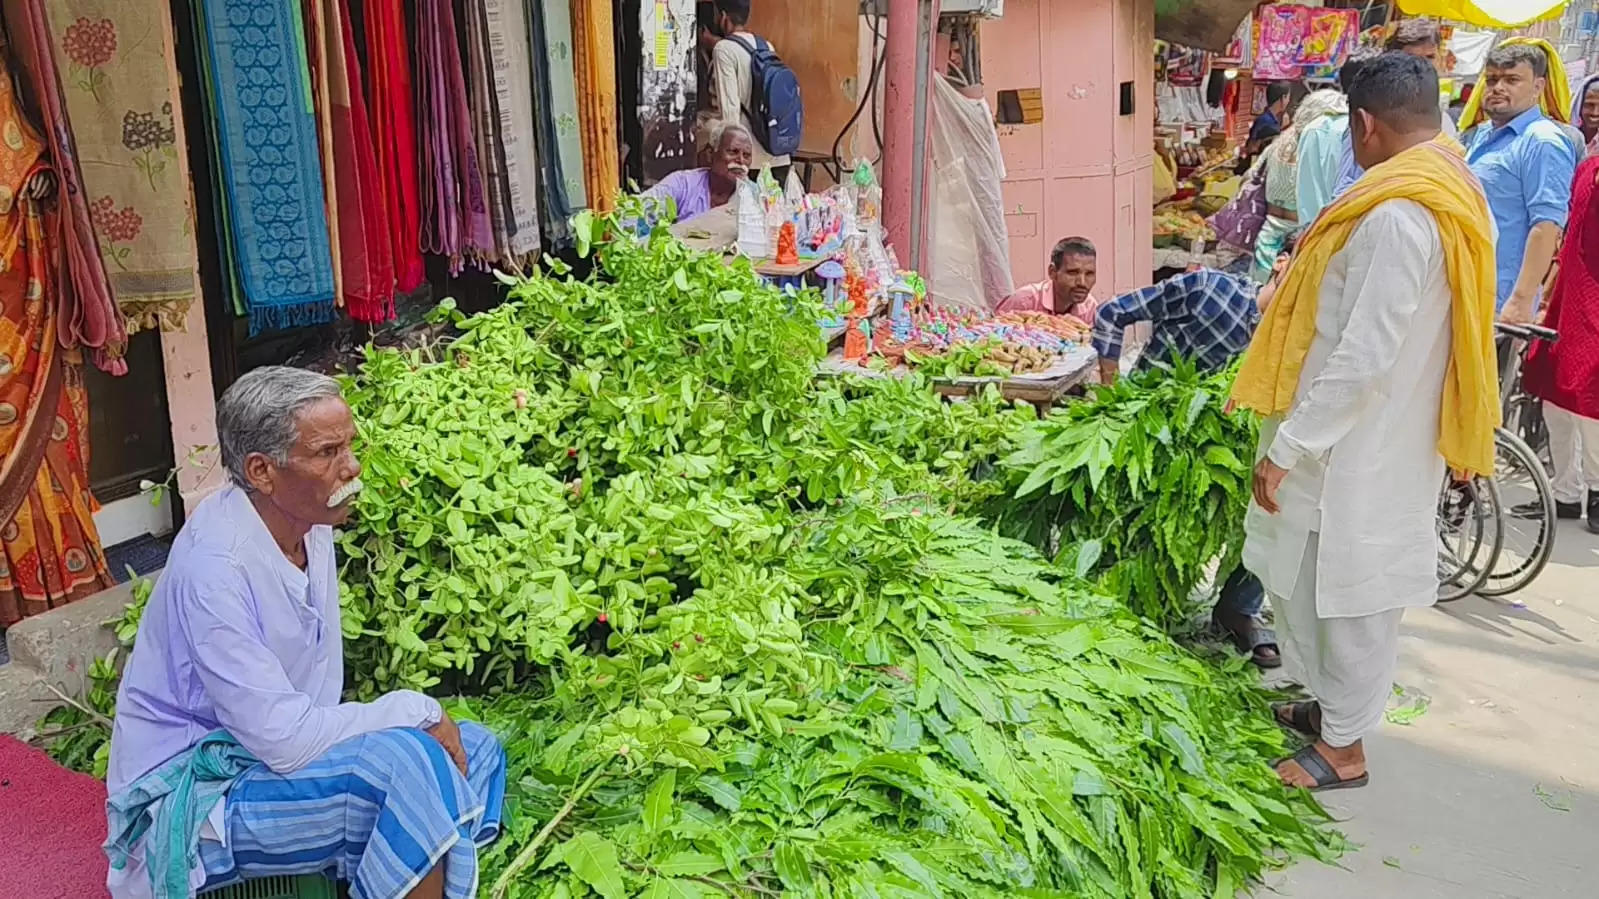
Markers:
<point>753,88</point>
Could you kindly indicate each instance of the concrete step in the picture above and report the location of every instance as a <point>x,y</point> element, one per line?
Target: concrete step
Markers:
<point>56,648</point>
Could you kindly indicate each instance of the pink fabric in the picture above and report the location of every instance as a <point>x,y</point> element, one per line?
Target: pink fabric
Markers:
<point>1040,297</point>
<point>52,827</point>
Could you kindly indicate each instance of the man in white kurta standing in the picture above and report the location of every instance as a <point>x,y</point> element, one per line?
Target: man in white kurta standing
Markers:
<point>1374,369</point>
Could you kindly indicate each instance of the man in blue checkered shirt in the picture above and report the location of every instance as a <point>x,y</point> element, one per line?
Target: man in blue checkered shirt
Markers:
<point>1208,316</point>
<point>1205,315</point>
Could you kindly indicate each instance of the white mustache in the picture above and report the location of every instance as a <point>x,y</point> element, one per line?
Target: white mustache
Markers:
<point>343,494</point>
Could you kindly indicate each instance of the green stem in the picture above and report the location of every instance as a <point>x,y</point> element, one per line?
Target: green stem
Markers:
<point>528,854</point>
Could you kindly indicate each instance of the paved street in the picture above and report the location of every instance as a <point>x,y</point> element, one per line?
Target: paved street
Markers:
<point>1493,792</point>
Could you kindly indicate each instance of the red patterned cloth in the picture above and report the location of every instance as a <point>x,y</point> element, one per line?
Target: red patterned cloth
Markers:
<point>394,135</point>
<point>1566,373</point>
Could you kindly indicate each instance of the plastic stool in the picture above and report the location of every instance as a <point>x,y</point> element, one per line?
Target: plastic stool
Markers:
<point>303,886</point>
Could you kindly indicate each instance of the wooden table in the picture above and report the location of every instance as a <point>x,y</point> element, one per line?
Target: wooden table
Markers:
<point>1042,389</point>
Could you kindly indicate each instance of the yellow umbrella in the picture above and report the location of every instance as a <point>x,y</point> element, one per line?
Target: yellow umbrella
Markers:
<point>1498,14</point>
<point>1556,99</point>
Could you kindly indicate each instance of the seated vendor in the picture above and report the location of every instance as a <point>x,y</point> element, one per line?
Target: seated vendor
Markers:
<point>699,190</point>
<point>233,756</point>
<point>1069,288</point>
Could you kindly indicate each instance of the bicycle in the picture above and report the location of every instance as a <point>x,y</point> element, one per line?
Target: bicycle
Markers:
<point>1496,534</point>
<point>1527,510</point>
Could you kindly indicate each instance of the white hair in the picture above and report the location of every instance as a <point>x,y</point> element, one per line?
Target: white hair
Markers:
<point>259,414</point>
<point>721,130</point>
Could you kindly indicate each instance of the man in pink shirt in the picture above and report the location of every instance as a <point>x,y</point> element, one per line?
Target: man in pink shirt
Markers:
<point>1067,290</point>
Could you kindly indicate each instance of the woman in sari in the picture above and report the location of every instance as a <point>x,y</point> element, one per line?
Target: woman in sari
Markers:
<point>1281,160</point>
<point>1565,374</point>
<point>49,549</point>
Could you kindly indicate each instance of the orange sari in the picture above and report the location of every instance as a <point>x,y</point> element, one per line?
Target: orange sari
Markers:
<point>49,549</point>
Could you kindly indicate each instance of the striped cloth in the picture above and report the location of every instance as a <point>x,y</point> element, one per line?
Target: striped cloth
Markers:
<point>378,811</point>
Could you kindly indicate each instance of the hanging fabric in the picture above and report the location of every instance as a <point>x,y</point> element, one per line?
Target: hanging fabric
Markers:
<point>364,256</point>
<point>394,135</point>
<point>594,57</point>
<point>120,81</point>
<point>316,51</point>
<point>270,177</point>
<point>455,216</point>
<point>560,146</point>
<point>510,57</point>
<point>49,549</point>
<point>89,315</point>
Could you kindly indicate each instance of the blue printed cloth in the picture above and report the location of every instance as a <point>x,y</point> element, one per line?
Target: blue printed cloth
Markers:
<point>377,811</point>
<point>1525,167</point>
<point>1207,315</point>
<point>266,156</point>
<point>161,813</point>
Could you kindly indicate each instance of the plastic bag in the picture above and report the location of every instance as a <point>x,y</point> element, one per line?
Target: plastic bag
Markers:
<point>970,255</point>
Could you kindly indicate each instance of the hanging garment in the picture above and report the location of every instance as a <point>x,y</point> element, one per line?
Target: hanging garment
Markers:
<point>120,82</point>
<point>365,261</point>
<point>271,177</point>
<point>49,549</point>
<point>316,51</point>
<point>455,216</point>
<point>511,67</point>
<point>393,129</point>
<point>594,58</point>
<point>88,316</point>
<point>560,148</point>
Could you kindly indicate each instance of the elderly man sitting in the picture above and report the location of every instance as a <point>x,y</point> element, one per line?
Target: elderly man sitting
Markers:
<point>233,757</point>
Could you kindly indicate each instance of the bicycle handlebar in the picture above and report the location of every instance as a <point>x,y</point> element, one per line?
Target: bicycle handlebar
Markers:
<point>1527,332</point>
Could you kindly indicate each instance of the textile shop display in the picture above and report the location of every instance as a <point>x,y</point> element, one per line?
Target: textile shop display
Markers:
<point>592,34</point>
<point>511,74</point>
<point>268,168</point>
<point>455,215</point>
<point>49,549</point>
<point>390,109</point>
<point>89,316</point>
<point>364,253</point>
<point>560,147</point>
<point>120,80</point>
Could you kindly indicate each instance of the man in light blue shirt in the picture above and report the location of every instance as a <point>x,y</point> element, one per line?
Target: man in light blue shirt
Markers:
<point>241,646</point>
<point>1525,163</point>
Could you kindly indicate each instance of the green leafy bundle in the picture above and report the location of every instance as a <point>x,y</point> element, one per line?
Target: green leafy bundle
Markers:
<point>741,633</point>
<point>1146,484</point>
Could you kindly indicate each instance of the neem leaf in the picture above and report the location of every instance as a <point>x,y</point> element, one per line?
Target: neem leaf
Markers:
<point>688,864</point>
<point>593,859</point>
<point>659,802</point>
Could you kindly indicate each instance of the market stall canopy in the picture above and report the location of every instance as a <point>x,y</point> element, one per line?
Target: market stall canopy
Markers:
<point>1203,24</point>
<point>1484,13</point>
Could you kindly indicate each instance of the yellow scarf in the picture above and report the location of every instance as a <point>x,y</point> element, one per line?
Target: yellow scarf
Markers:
<point>1433,174</point>
<point>1556,99</point>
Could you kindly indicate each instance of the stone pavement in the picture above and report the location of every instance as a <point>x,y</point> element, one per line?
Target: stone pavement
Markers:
<point>1494,790</point>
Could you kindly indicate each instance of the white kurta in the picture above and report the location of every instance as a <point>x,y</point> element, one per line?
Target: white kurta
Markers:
<point>1361,440</point>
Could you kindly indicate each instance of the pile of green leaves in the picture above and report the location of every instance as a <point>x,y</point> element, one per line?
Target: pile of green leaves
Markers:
<point>1145,484</point>
<point>743,633</point>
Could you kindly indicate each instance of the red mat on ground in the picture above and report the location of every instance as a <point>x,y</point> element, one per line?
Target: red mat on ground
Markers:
<point>52,824</point>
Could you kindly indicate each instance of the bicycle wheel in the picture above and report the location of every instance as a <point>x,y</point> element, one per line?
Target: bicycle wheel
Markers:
<point>1469,536</point>
<point>1527,516</point>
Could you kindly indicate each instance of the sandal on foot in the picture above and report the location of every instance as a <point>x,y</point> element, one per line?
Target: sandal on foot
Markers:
<point>1301,716</point>
<point>1250,637</point>
<point>1322,771</point>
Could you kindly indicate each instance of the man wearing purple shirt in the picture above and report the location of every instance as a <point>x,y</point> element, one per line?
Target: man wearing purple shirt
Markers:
<point>700,190</point>
<point>240,647</point>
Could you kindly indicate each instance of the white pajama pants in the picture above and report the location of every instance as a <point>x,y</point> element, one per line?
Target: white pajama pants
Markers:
<point>1347,664</point>
<point>1574,447</point>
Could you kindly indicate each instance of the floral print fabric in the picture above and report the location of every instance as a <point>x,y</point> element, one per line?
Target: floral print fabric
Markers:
<point>118,73</point>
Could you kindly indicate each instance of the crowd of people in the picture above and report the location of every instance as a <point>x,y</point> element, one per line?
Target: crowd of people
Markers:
<point>1392,242</point>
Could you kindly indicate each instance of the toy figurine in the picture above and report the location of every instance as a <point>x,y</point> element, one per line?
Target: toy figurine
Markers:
<point>831,272</point>
<point>787,246</point>
<point>857,342</point>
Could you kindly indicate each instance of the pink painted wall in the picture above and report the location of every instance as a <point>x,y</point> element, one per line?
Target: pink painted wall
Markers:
<point>1085,169</point>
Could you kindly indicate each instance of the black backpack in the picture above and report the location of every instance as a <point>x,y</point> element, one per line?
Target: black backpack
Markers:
<point>776,113</point>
